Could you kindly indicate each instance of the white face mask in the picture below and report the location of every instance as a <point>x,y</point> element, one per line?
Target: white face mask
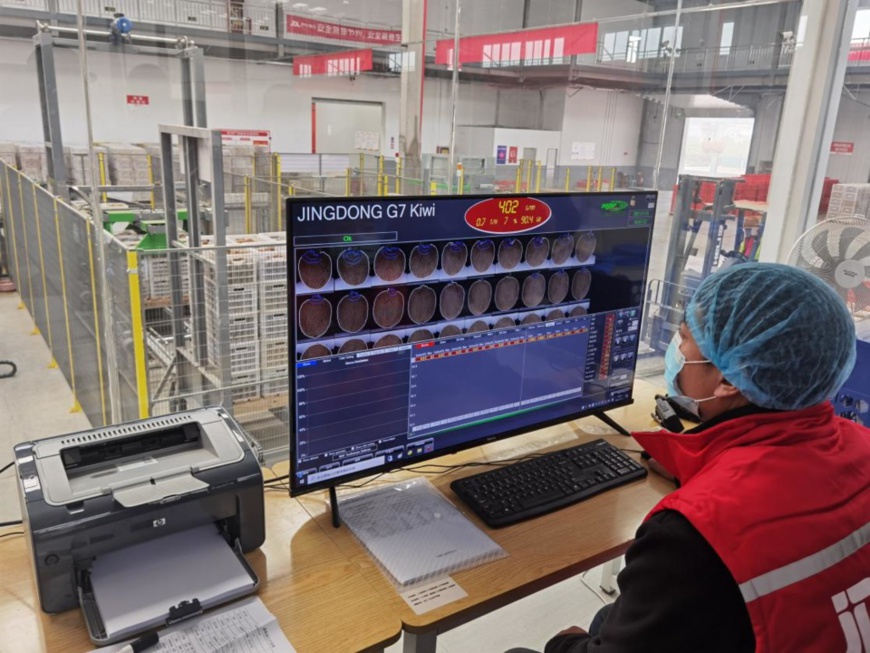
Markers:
<point>675,360</point>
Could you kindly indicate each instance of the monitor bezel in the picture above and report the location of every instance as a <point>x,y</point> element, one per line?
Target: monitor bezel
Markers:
<point>407,464</point>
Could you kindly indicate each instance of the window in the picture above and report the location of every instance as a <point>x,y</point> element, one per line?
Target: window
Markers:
<point>727,36</point>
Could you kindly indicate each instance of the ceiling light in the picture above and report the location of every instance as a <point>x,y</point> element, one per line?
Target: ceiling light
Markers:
<point>317,9</point>
<point>299,5</point>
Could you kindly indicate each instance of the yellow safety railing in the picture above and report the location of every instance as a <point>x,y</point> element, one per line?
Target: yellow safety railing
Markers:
<point>538,178</point>
<point>149,161</point>
<point>101,157</point>
<point>279,205</point>
<point>138,333</point>
<point>398,173</point>
<point>519,181</point>
<point>567,179</point>
<point>249,208</point>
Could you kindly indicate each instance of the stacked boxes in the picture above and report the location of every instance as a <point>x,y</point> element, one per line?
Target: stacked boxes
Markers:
<point>274,343</point>
<point>9,154</point>
<point>849,200</point>
<point>78,164</point>
<point>32,162</point>
<point>127,164</point>
<point>242,316</point>
<point>153,149</point>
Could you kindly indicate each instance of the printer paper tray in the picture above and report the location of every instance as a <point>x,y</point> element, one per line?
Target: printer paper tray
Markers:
<point>133,590</point>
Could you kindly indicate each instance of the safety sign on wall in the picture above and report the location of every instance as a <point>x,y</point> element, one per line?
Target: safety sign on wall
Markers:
<point>246,137</point>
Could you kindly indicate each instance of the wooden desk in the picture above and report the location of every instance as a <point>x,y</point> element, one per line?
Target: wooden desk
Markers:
<point>542,551</point>
<point>320,599</point>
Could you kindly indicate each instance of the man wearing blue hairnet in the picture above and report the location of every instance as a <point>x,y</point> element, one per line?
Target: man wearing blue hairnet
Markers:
<point>764,545</point>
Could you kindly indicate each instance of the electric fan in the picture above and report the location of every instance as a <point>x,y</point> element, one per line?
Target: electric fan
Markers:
<point>838,252</point>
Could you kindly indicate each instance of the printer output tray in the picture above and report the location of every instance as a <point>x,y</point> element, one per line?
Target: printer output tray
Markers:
<point>156,583</point>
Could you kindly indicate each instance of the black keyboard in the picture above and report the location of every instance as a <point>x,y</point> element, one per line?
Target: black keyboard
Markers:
<point>552,481</point>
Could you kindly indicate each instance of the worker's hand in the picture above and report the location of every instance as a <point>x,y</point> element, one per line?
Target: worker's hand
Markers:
<point>574,630</point>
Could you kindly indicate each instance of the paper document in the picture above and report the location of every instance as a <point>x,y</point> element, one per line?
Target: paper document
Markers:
<point>416,534</point>
<point>135,587</point>
<point>244,627</point>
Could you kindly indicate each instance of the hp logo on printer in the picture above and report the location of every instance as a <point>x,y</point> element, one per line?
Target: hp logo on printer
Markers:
<point>157,523</point>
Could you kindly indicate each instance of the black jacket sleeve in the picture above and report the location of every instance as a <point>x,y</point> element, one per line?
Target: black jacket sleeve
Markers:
<point>676,594</point>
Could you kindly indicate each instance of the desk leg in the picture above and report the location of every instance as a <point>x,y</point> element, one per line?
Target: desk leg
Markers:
<point>608,575</point>
<point>419,642</point>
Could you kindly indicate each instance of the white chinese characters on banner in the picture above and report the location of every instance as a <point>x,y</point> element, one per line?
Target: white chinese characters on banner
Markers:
<point>582,151</point>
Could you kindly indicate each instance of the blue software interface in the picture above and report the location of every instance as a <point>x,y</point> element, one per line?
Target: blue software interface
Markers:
<point>426,325</point>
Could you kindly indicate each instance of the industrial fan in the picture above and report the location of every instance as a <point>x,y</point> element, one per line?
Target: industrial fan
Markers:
<point>838,252</point>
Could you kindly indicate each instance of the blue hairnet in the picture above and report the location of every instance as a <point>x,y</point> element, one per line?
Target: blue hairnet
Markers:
<point>778,334</point>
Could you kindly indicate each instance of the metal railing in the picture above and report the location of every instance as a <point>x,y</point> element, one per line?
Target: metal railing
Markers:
<point>254,18</point>
<point>52,261</point>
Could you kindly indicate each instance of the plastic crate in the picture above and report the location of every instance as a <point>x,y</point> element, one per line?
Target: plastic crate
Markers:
<point>274,354</point>
<point>272,264</point>
<point>273,326</point>
<point>246,387</point>
<point>273,297</point>
<point>242,328</point>
<point>244,357</point>
<point>276,383</point>
<point>241,300</point>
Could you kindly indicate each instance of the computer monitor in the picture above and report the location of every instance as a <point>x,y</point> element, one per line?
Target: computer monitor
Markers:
<point>426,325</point>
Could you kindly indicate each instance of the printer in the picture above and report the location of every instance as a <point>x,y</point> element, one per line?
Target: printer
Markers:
<point>87,497</point>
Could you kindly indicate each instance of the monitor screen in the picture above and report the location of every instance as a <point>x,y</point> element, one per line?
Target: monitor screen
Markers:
<point>427,325</point>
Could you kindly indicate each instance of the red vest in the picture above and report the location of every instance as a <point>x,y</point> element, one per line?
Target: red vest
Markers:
<point>784,499</point>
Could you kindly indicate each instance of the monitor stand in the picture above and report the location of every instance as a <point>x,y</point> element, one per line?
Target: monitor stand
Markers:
<point>333,503</point>
<point>610,422</point>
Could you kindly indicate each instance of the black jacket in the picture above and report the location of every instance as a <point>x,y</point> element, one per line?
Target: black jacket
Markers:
<point>676,594</point>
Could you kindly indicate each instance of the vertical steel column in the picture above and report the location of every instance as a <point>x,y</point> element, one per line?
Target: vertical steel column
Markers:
<point>175,292</point>
<point>48,103</point>
<point>219,220</point>
<point>193,87</point>
<point>190,152</point>
<point>411,84</point>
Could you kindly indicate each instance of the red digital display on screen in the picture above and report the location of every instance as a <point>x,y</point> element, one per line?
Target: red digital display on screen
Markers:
<point>512,215</point>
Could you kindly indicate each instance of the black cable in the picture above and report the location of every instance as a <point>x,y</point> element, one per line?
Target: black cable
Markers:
<point>7,467</point>
<point>7,375</point>
<point>277,479</point>
<point>10,523</point>
<point>8,534</point>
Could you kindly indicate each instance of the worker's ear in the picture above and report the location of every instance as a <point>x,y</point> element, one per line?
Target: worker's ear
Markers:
<point>724,389</point>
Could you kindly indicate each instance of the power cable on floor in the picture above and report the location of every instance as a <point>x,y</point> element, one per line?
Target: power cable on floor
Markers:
<point>5,467</point>
<point>14,367</point>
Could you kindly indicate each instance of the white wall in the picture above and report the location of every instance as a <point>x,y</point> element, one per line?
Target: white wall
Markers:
<point>853,125</point>
<point>240,95</point>
<point>610,119</point>
<point>246,95</point>
<point>538,139</point>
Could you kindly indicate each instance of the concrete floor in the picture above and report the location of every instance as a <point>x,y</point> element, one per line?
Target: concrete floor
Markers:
<point>34,403</point>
